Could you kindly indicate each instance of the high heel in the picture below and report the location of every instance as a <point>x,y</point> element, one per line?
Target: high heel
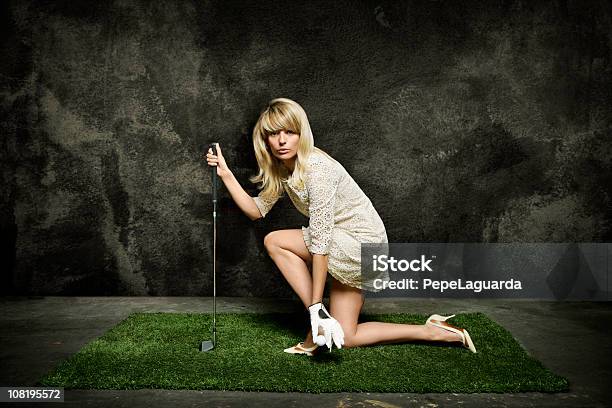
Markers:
<point>438,317</point>
<point>300,349</point>
<point>440,321</point>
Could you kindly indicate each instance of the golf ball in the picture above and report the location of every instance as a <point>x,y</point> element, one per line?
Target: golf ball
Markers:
<point>320,340</point>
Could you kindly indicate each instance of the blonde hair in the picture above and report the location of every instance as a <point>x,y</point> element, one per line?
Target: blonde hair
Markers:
<point>281,114</point>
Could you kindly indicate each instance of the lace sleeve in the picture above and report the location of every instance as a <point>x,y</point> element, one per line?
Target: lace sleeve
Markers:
<point>265,203</point>
<point>321,183</point>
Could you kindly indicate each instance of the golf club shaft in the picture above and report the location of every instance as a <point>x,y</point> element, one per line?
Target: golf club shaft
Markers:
<point>214,199</point>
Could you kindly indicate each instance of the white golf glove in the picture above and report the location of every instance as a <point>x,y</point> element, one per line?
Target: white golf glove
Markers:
<point>320,317</point>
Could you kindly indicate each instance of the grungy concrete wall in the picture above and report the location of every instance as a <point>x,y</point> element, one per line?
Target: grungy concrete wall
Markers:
<point>463,121</point>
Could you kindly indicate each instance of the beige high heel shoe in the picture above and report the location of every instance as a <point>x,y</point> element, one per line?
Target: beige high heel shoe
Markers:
<point>300,349</point>
<point>438,317</point>
<point>440,321</point>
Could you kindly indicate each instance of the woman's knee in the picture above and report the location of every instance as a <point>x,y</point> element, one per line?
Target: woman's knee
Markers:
<point>350,340</point>
<point>271,241</point>
<point>290,240</point>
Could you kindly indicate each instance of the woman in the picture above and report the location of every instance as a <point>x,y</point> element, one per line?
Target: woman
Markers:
<point>341,217</point>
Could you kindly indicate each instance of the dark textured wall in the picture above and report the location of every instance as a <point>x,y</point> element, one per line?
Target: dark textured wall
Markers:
<point>462,121</point>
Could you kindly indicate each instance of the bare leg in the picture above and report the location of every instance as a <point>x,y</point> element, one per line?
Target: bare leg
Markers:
<point>288,251</point>
<point>290,254</point>
<point>345,306</point>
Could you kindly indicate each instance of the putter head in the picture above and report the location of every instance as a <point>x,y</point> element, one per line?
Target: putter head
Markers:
<point>207,345</point>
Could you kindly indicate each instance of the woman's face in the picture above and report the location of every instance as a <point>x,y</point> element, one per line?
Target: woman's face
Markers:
<point>284,144</point>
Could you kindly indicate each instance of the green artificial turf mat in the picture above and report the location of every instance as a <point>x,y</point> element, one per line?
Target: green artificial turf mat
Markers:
<point>160,350</point>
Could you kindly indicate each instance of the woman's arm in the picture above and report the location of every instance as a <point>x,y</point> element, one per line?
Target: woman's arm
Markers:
<point>240,197</point>
<point>319,274</point>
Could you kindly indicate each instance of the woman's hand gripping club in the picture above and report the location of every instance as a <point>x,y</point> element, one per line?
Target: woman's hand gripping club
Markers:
<point>218,161</point>
<point>320,317</point>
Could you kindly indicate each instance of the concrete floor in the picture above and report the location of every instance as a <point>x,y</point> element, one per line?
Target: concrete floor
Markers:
<point>572,339</point>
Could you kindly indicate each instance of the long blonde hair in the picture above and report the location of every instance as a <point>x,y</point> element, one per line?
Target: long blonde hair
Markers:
<point>281,114</point>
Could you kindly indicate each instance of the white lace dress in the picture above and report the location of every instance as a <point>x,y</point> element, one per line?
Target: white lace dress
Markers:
<point>341,217</point>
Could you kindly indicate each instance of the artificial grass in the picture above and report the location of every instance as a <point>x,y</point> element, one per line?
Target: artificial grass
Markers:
<point>160,350</point>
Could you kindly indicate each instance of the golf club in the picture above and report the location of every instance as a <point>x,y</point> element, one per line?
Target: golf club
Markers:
<point>208,345</point>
